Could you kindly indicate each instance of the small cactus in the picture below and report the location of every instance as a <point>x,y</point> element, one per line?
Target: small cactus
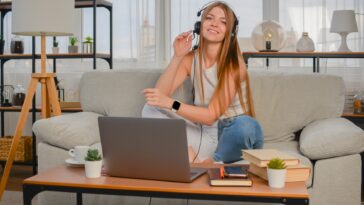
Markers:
<point>276,163</point>
<point>55,43</point>
<point>93,155</point>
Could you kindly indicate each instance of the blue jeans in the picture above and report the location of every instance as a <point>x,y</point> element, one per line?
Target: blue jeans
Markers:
<point>235,134</point>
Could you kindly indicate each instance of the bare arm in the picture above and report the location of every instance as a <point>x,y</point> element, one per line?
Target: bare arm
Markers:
<point>176,72</point>
<point>205,115</point>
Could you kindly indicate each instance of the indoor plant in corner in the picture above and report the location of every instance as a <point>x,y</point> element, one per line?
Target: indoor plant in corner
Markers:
<point>276,169</point>
<point>93,163</point>
<point>73,48</point>
<point>55,48</point>
<point>88,44</point>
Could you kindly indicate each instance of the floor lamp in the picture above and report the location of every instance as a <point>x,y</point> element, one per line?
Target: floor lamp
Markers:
<point>38,18</point>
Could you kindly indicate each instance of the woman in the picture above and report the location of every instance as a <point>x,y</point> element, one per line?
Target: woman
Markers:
<point>220,81</point>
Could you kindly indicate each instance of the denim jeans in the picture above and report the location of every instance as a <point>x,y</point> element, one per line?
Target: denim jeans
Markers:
<point>235,134</point>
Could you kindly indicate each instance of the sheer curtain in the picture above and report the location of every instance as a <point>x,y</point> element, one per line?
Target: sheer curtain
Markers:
<point>297,16</point>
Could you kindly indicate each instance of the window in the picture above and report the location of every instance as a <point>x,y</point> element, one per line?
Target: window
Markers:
<point>296,16</point>
<point>134,34</point>
<point>184,16</point>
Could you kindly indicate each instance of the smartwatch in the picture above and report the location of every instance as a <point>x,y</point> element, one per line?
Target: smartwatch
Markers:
<point>175,106</point>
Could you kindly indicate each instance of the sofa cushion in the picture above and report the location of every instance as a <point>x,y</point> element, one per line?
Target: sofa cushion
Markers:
<point>69,130</point>
<point>286,102</point>
<point>292,148</point>
<point>331,138</point>
<point>119,93</point>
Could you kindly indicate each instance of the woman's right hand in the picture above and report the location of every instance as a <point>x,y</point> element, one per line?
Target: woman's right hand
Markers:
<point>182,44</point>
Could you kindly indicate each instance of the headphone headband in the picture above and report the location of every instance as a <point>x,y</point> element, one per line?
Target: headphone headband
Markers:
<point>197,27</point>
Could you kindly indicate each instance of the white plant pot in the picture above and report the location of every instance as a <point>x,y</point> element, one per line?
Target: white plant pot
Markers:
<point>93,169</point>
<point>276,177</point>
<point>55,50</point>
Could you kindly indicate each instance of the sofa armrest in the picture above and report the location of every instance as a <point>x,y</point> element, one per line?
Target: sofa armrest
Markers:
<point>331,137</point>
<point>69,130</point>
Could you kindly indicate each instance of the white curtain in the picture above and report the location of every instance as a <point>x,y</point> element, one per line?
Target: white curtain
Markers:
<point>298,15</point>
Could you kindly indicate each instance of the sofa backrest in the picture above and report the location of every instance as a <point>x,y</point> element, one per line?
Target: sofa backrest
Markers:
<point>119,93</point>
<point>284,103</point>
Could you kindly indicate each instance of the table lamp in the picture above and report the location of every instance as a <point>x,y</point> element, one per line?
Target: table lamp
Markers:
<point>39,18</point>
<point>343,22</point>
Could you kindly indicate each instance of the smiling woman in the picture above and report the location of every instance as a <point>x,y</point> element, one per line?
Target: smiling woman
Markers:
<point>220,81</point>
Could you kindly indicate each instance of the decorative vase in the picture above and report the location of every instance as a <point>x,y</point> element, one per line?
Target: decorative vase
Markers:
<point>55,50</point>
<point>276,177</point>
<point>87,47</point>
<point>2,44</point>
<point>268,36</point>
<point>17,45</point>
<point>93,169</point>
<point>18,95</point>
<point>305,44</point>
<point>72,49</point>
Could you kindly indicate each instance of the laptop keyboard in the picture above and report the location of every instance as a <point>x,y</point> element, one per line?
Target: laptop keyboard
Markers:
<point>193,173</point>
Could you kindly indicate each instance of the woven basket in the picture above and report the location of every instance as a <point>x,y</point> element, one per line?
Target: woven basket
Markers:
<point>23,152</point>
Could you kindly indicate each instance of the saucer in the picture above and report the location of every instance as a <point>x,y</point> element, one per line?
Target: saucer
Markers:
<point>73,163</point>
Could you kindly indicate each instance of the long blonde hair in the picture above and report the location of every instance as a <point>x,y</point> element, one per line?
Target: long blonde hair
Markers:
<point>227,62</point>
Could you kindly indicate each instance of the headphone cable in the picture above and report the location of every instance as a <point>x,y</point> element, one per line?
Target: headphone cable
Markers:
<point>199,146</point>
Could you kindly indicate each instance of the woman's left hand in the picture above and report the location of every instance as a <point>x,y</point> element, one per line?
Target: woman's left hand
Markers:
<point>156,98</point>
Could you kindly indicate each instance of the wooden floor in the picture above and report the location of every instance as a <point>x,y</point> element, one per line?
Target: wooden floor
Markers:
<point>17,175</point>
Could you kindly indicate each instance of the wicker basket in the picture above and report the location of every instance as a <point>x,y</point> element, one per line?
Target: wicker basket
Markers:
<point>23,152</point>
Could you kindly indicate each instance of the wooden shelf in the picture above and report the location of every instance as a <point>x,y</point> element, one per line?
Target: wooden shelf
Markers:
<point>304,54</point>
<point>38,109</point>
<point>55,56</point>
<point>350,114</point>
<point>6,6</point>
<point>75,55</point>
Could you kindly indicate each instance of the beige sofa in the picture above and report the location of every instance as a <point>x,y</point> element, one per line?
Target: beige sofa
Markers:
<point>299,113</point>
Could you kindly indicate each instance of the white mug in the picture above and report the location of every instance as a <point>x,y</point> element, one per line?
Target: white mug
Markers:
<point>79,153</point>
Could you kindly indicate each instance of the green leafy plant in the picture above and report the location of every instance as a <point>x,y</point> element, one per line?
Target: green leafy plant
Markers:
<point>89,40</point>
<point>276,163</point>
<point>93,155</point>
<point>55,43</point>
<point>73,40</point>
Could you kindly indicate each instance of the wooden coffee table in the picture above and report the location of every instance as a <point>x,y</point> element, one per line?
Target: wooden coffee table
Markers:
<point>70,179</point>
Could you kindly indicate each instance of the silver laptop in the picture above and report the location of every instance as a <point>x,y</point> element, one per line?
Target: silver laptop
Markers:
<point>146,148</point>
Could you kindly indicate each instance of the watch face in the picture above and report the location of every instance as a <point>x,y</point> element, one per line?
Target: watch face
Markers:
<point>176,105</point>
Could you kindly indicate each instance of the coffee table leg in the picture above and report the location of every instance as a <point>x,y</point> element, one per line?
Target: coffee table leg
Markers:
<point>79,198</point>
<point>29,191</point>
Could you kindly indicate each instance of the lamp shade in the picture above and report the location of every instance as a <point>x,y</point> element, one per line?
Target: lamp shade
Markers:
<point>343,21</point>
<point>48,17</point>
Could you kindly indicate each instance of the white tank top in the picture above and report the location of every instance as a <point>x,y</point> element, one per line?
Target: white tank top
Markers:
<point>209,78</point>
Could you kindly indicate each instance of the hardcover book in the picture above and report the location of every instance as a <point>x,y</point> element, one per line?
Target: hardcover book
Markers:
<point>261,157</point>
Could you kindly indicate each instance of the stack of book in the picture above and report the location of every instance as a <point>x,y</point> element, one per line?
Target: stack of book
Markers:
<point>259,159</point>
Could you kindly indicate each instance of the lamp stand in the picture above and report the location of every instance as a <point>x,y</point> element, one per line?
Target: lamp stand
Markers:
<point>49,102</point>
<point>344,46</point>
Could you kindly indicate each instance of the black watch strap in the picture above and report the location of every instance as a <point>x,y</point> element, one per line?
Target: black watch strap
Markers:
<point>175,106</point>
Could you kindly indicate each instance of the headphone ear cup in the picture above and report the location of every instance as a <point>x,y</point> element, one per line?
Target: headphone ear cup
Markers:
<point>197,27</point>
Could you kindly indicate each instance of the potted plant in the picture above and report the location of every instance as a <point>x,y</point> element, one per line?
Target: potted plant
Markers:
<point>88,45</point>
<point>276,169</point>
<point>55,48</point>
<point>73,47</point>
<point>2,44</point>
<point>93,163</point>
